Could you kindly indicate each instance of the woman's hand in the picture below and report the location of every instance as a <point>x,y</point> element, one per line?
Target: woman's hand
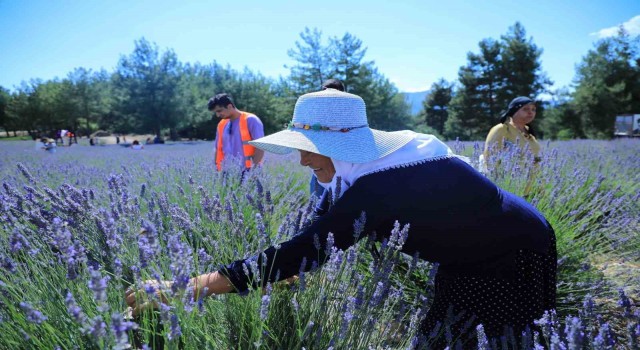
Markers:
<point>203,285</point>
<point>148,297</point>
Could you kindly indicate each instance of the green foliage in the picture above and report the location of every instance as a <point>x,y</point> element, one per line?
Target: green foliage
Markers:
<point>312,62</point>
<point>502,70</point>
<point>149,83</point>
<point>435,108</point>
<point>561,119</point>
<point>342,58</point>
<point>608,84</point>
<point>5,96</point>
<point>152,91</point>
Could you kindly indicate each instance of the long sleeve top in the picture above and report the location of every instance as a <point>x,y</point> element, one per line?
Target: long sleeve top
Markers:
<point>505,133</point>
<point>458,218</point>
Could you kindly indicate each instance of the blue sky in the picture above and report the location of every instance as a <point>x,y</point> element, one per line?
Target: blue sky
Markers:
<point>413,43</point>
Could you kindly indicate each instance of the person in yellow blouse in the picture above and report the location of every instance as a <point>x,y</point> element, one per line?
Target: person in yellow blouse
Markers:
<point>514,128</point>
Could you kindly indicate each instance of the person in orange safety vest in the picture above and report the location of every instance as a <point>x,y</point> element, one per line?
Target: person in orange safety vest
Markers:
<point>235,129</point>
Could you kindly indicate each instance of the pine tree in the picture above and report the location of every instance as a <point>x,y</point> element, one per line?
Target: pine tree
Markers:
<point>435,108</point>
<point>149,81</point>
<point>312,62</point>
<point>343,58</point>
<point>608,83</point>
<point>501,71</point>
<point>474,108</point>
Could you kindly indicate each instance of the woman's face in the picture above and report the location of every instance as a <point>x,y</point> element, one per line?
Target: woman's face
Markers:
<point>321,165</point>
<point>525,115</point>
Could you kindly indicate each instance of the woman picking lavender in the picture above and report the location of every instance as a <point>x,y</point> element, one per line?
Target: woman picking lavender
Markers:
<point>496,253</point>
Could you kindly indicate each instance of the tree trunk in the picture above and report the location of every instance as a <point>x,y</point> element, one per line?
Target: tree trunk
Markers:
<point>173,134</point>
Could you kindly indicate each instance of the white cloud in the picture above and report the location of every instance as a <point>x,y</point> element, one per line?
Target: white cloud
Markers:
<point>632,26</point>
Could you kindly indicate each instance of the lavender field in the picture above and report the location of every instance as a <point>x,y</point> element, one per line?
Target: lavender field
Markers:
<point>81,225</point>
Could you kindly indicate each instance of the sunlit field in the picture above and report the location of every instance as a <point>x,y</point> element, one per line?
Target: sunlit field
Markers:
<point>81,225</point>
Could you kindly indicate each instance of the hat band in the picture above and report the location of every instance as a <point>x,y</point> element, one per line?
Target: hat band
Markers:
<point>319,127</point>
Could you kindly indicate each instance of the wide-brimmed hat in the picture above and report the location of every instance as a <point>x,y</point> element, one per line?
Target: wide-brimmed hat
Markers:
<point>334,124</point>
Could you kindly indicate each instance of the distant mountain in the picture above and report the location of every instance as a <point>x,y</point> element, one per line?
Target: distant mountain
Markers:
<point>414,99</point>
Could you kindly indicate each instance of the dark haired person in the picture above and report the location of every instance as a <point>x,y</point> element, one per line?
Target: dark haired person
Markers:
<point>514,128</point>
<point>136,145</point>
<point>332,84</point>
<point>235,129</point>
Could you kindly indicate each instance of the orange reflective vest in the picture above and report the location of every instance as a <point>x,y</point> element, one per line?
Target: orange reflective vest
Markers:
<point>245,136</point>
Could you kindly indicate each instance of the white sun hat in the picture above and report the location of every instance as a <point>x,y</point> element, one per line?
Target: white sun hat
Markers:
<point>334,124</point>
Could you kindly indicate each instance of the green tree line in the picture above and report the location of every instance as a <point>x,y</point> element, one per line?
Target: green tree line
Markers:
<point>606,84</point>
<point>152,91</point>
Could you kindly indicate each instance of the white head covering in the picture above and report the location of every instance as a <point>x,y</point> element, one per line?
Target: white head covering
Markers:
<point>422,148</point>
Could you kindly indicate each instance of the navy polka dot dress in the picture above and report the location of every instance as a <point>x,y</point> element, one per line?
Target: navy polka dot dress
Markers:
<point>501,305</point>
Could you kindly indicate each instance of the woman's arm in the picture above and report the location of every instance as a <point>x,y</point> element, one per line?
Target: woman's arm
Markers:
<point>208,283</point>
<point>301,251</point>
<point>494,140</point>
<point>279,263</point>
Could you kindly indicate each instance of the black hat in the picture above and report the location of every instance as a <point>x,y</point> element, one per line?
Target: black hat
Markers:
<point>514,106</point>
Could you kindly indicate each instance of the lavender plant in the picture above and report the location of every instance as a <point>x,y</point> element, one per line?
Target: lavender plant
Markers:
<point>79,226</point>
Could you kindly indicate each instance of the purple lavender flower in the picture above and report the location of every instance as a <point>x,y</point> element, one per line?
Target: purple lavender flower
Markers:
<point>254,270</point>
<point>201,299</point>
<point>136,272</point>
<point>120,328</point>
<point>32,314</point>
<point>72,253</point>
<point>74,310</point>
<point>347,315</point>
<point>604,339</point>
<point>633,333</point>
<point>96,328</point>
<point>415,319</point>
<point>108,229</point>
<point>574,332</point>
<point>229,210</point>
<point>98,285</point>
<point>204,259</point>
<point>307,330</point>
<point>330,243</point>
<point>117,268</point>
<point>588,306</point>
<point>358,225</point>
<point>181,218</point>
<point>17,242</point>
<point>333,265</point>
<point>180,255</point>
<point>295,305</point>
<point>7,263</point>
<point>262,231</point>
<point>624,302</point>
<point>148,246</point>
<point>483,342</point>
<point>264,306</point>
<point>377,294</point>
<point>26,173</point>
<point>547,323</point>
<point>175,330</point>
<point>537,345</point>
<point>302,278</point>
<point>169,317</point>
